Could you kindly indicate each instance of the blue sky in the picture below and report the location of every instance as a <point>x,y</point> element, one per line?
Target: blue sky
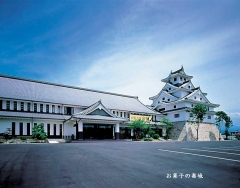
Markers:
<point>125,46</point>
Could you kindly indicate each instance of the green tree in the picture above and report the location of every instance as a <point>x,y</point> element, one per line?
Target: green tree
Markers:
<point>228,124</point>
<point>139,127</point>
<point>168,125</point>
<point>38,132</point>
<point>198,115</point>
<point>220,119</point>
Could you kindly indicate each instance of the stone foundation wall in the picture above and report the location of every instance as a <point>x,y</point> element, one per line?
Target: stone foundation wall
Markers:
<point>185,131</point>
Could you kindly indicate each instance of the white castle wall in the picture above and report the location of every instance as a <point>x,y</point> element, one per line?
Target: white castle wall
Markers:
<point>185,131</point>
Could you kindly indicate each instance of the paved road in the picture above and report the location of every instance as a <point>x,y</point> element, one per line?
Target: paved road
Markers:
<point>103,164</point>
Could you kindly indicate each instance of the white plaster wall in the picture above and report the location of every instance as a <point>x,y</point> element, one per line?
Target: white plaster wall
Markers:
<point>183,116</point>
<point>69,129</point>
<point>57,129</point>
<point>4,104</point>
<point>11,105</point>
<point>7,123</point>
<point>24,128</point>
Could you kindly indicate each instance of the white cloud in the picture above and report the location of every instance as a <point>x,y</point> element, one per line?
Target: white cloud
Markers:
<point>234,114</point>
<point>137,66</point>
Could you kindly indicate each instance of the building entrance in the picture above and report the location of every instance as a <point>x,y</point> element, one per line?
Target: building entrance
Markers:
<point>98,131</point>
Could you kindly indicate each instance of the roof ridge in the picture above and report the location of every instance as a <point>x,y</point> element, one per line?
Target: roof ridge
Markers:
<point>177,71</point>
<point>67,86</point>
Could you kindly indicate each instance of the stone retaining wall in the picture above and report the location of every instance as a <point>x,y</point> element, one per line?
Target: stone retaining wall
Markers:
<point>185,131</point>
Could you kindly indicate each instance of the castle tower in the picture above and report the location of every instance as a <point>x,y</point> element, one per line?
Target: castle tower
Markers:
<point>176,99</point>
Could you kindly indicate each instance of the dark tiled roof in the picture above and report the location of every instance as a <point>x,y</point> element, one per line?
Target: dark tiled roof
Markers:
<point>177,71</point>
<point>33,115</point>
<point>175,109</point>
<point>185,82</point>
<point>31,90</point>
<point>196,88</point>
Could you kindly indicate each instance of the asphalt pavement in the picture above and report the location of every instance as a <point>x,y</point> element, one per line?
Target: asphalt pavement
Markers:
<point>103,164</point>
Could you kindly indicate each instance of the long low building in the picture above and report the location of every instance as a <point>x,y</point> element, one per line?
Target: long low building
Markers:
<point>66,110</point>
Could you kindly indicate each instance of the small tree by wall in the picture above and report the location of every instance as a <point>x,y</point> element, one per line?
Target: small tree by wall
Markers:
<point>198,116</point>
<point>221,118</point>
<point>139,127</point>
<point>38,132</point>
<point>168,125</point>
<point>228,124</point>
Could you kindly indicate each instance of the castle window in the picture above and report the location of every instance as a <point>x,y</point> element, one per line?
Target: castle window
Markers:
<point>29,107</point>
<point>15,105</point>
<point>189,87</point>
<point>22,106</point>
<point>168,99</point>
<point>200,99</point>
<point>53,109</point>
<point>47,108</point>
<point>209,117</point>
<point>41,107</point>
<point>176,115</point>
<point>68,110</point>
<point>59,109</point>
<point>195,97</point>
<point>180,78</point>
<point>175,106</point>
<point>8,105</point>
<point>169,88</point>
<point>113,112</point>
<point>120,114</point>
<point>192,105</point>
<point>163,98</point>
<point>184,79</point>
<point>175,79</point>
<point>35,107</point>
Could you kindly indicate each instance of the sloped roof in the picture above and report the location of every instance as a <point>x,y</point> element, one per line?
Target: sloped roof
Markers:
<point>32,90</point>
<point>33,115</point>
<point>177,71</point>
<point>94,107</point>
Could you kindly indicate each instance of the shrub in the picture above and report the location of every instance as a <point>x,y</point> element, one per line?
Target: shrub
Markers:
<point>148,139</point>
<point>156,136</point>
<point>38,132</point>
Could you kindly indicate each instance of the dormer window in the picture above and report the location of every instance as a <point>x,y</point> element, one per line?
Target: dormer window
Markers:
<point>195,97</point>
<point>168,100</point>
<point>163,98</point>
<point>169,89</point>
<point>200,99</point>
<point>8,105</point>
<point>174,106</point>
<point>192,105</point>
<point>180,78</point>
<point>189,87</point>
<point>22,106</point>
<point>184,79</point>
<point>15,105</point>
<point>158,102</point>
<point>175,79</point>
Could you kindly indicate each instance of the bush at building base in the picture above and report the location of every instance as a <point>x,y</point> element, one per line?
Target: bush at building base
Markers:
<point>148,139</point>
<point>38,132</point>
